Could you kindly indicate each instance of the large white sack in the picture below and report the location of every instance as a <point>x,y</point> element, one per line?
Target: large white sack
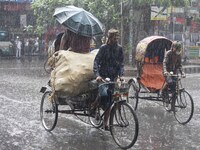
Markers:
<point>72,72</point>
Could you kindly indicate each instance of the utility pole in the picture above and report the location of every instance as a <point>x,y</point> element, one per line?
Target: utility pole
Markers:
<point>131,33</point>
<point>122,24</point>
<point>172,19</point>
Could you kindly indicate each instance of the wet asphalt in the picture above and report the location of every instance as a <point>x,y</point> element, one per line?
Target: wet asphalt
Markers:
<point>21,129</point>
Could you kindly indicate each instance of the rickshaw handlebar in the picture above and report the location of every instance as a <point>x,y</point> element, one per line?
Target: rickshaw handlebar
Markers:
<point>108,82</point>
<point>175,75</point>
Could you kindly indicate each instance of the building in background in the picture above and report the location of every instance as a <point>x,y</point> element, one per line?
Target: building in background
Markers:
<point>15,14</point>
<point>177,23</point>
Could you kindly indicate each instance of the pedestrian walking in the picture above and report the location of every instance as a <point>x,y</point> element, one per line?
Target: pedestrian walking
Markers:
<point>18,47</point>
<point>36,45</point>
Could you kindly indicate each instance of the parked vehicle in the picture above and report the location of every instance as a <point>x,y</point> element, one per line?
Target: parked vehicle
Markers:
<point>6,46</point>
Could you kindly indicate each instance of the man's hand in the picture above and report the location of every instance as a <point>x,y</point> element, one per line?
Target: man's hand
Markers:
<point>121,78</point>
<point>99,78</point>
<point>166,73</point>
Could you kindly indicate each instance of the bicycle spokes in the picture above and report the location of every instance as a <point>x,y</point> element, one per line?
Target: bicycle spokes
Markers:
<point>181,101</point>
<point>120,116</point>
<point>184,107</point>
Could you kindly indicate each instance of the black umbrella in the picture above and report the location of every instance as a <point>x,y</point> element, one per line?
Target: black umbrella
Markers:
<point>78,21</point>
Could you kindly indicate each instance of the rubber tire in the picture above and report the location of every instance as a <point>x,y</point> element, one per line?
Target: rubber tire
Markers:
<point>183,102</point>
<point>53,109</point>
<point>133,95</point>
<point>97,121</point>
<point>115,121</point>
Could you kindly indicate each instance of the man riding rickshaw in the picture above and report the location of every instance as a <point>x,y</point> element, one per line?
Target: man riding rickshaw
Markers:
<point>159,76</point>
<point>72,75</point>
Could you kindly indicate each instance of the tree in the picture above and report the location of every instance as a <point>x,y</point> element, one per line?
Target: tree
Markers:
<point>134,15</point>
<point>107,11</point>
<point>44,9</point>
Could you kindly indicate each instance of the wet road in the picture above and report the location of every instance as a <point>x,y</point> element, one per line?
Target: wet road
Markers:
<point>20,83</point>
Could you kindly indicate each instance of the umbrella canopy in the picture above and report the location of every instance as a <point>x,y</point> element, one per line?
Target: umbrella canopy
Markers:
<point>78,21</point>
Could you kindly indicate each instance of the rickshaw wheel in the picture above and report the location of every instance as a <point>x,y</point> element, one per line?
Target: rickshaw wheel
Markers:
<point>133,95</point>
<point>124,125</point>
<point>96,118</point>
<point>48,111</point>
<point>184,107</point>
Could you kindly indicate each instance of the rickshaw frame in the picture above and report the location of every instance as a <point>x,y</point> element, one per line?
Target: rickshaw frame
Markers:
<point>122,115</point>
<point>140,87</point>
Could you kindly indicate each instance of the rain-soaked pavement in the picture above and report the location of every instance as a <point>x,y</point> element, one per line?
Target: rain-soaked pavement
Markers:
<point>21,129</point>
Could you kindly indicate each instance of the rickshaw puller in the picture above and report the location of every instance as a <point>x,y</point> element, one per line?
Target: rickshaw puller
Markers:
<point>172,63</point>
<point>109,63</point>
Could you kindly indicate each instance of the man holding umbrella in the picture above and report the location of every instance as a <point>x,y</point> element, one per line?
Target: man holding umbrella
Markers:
<point>76,42</point>
<point>81,27</point>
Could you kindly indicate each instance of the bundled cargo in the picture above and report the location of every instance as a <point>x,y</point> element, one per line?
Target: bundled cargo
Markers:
<point>71,72</point>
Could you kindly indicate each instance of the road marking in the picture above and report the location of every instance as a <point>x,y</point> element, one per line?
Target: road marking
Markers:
<point>13,100</point>
<point>29,68</point>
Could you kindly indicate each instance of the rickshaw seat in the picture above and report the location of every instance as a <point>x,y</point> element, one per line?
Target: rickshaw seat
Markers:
<point>152,77</point>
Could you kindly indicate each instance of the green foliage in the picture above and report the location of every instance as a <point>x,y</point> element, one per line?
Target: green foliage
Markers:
<point>162,2</point>
<point>43,11</point>
<point>107,11</point>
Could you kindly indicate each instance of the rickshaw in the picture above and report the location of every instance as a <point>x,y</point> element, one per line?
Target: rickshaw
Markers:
<point>147,85</point>
<point>123,122</point>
